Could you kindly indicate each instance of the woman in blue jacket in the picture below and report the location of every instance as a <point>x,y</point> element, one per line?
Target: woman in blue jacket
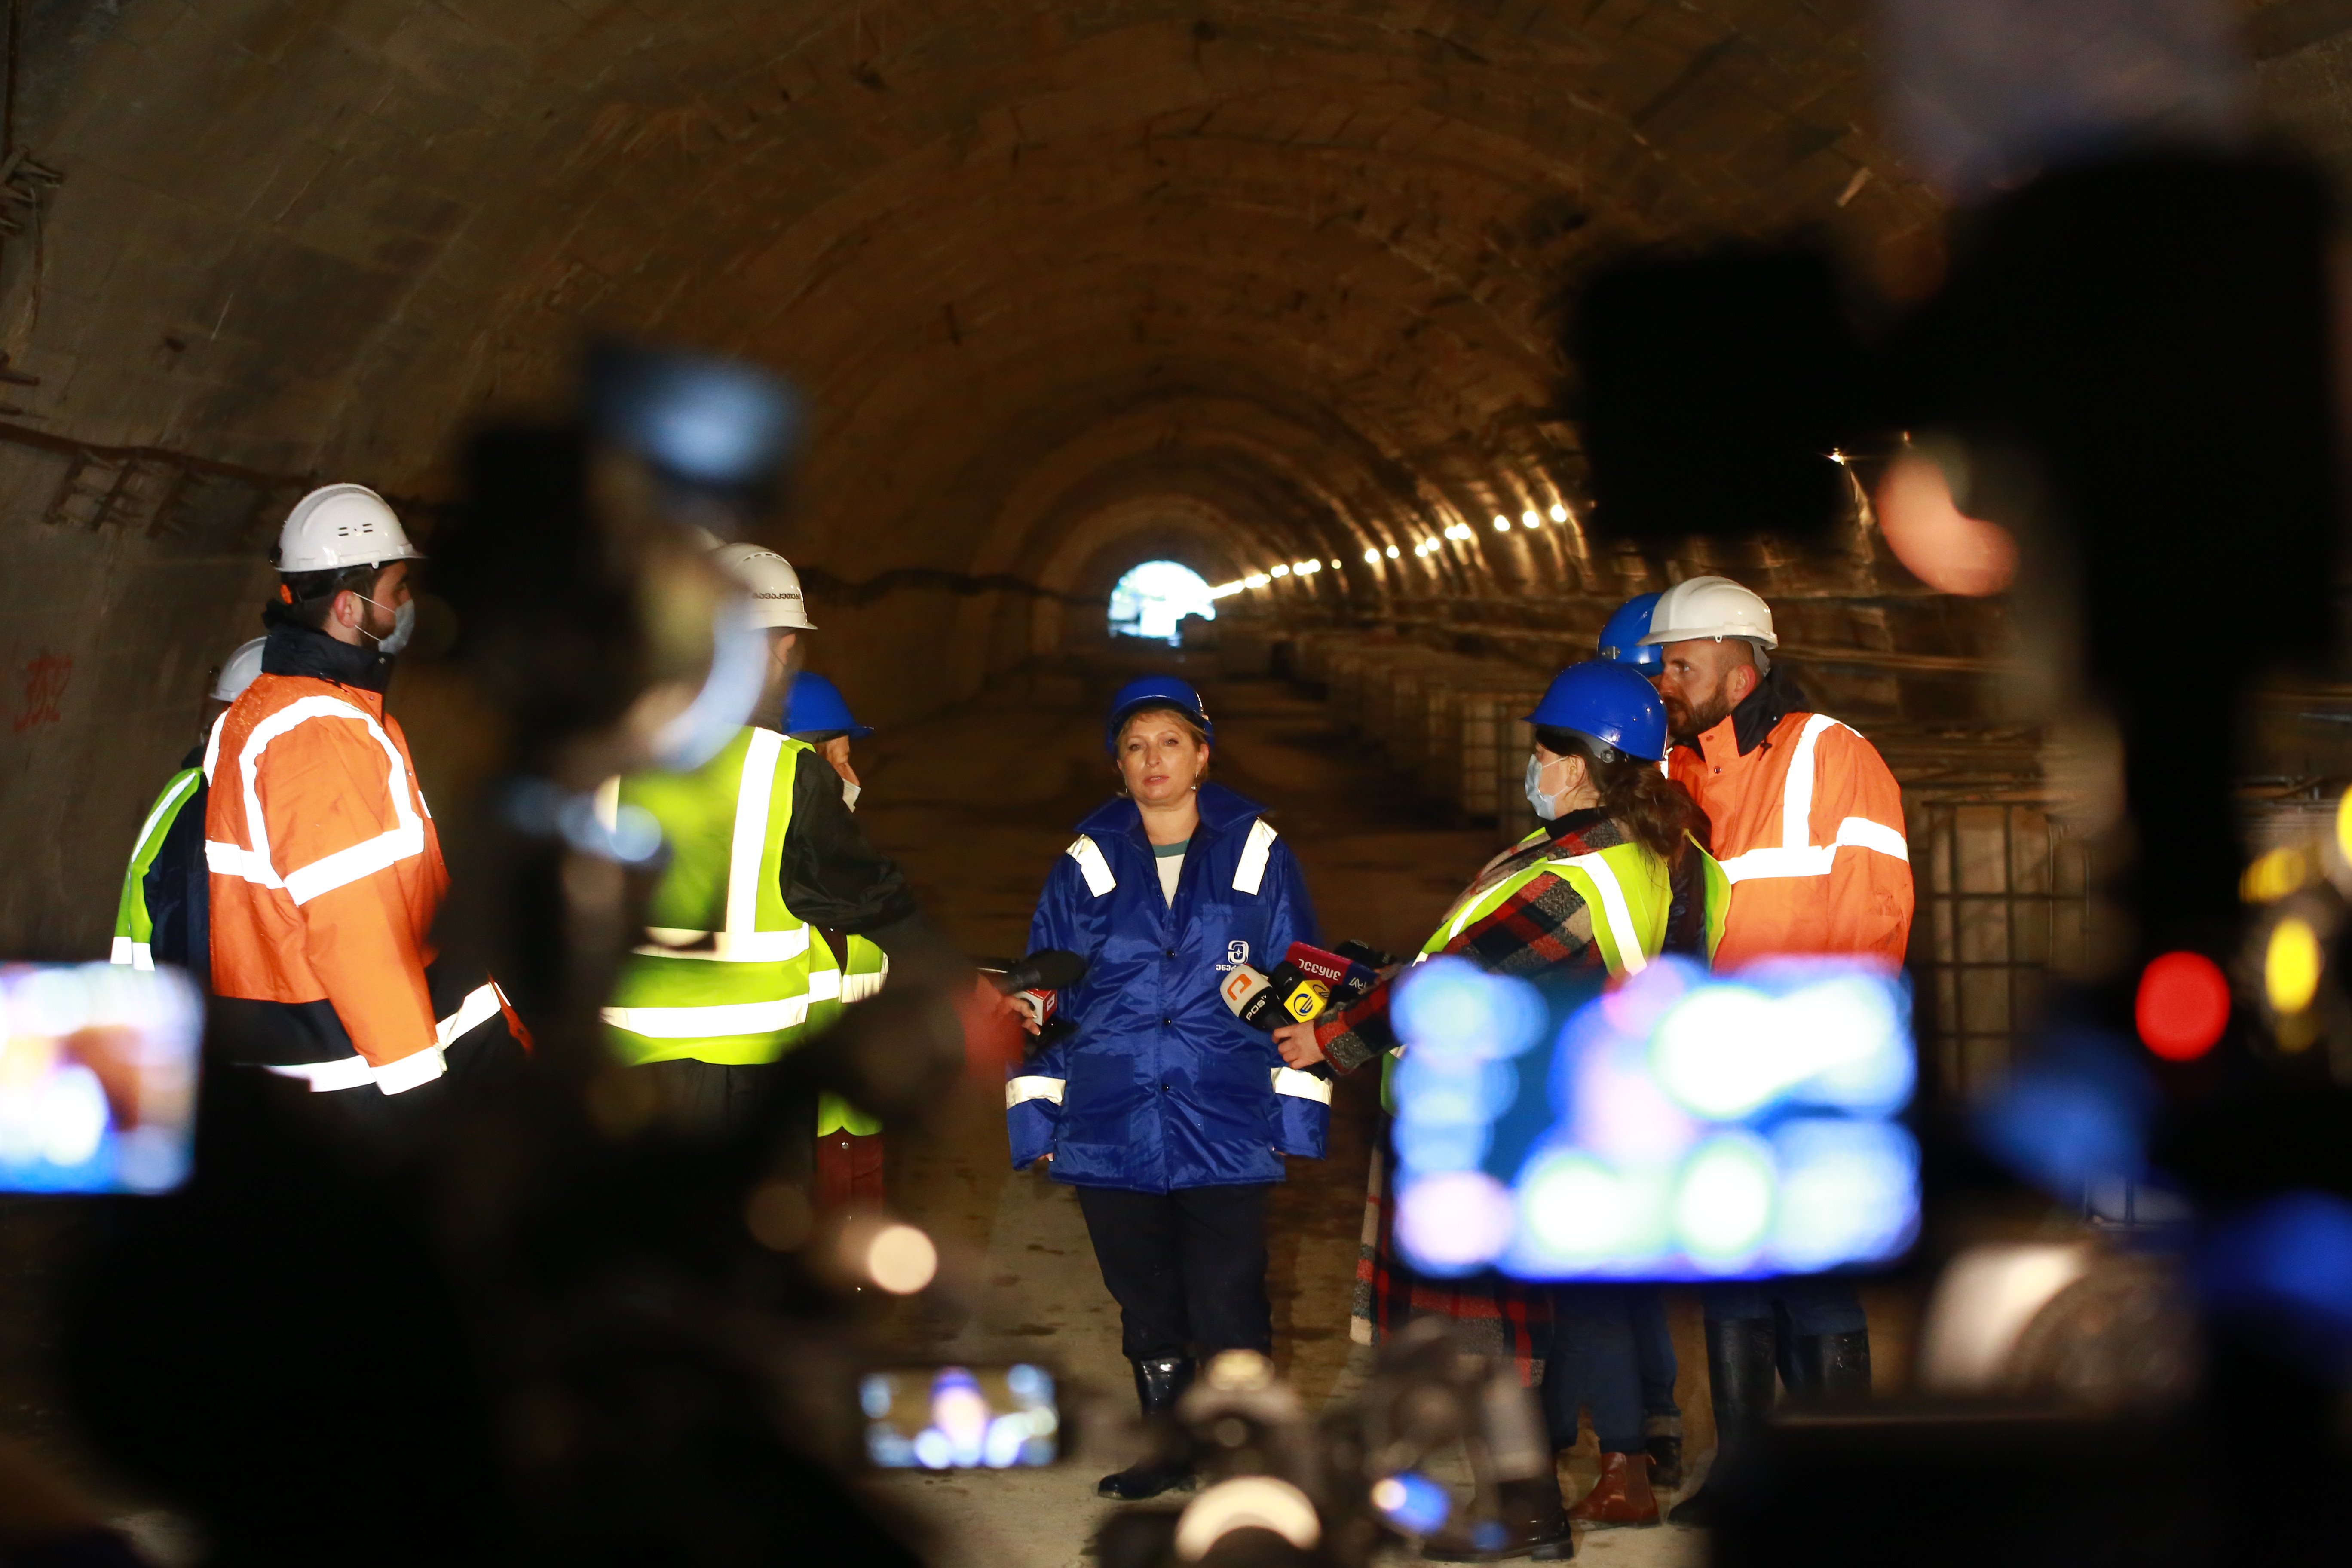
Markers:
<point>1168,1114</point>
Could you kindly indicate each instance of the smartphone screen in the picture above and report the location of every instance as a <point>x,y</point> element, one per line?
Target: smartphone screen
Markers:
<point>961,1418</point>
<point>98,1077</point>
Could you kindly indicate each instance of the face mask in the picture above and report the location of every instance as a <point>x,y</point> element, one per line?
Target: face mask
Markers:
<point>1535,796</point>
<point>849,793</point>
<point>403,626</point>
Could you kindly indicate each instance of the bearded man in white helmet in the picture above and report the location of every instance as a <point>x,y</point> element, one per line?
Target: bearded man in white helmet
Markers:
<point>326,870</point>
<point>1808,825</point>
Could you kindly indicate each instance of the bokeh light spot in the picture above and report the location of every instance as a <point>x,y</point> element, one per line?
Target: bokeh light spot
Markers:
<point>1942,545</point>
<point>2291,963</point>
<point>2182,1006</point>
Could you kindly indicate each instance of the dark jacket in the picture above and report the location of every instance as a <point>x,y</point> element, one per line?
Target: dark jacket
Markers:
<point>1159,1086</point>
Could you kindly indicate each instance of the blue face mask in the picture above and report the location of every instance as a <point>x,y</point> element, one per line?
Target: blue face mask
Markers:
<point>1535,796</point>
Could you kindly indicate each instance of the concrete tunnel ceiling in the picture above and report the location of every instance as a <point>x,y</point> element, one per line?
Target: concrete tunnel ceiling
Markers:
<point>1295,255</point>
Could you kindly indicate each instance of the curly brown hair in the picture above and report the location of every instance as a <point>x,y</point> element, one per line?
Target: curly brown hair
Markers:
<point>1655,812</point>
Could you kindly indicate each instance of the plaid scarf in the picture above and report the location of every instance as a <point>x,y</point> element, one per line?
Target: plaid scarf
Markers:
<point>1541,927</point>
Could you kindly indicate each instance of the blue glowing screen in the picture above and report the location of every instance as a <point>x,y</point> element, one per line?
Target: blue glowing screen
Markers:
<point>1677,1126</point>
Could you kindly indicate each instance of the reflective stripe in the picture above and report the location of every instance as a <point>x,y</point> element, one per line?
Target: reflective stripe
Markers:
<point>713,1022</point>
<point>1091,864</point>
<point>211,745</point>
<point>398,843</point>
<point>1629,957</point>
<point>325,1077</point>
<point>726,947</point>
<point>416,1068</point>
<point>1816,860</point>
<point>758,783</point>
<point>163,809</point>
<point>345,867</point>
<point>859,987</point>
<point>825,985</point>
<point>1797,855</point>
<point>482,1003</point>
<point>1251,869</point>
<point>1304,1085</point>
<point>1017,1089</point>
<point>481,1006</point>
<point>136,954</point>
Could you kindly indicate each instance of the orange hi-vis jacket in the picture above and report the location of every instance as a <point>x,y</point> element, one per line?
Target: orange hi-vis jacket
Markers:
<point>326,878</point>
<point>1808,828</point>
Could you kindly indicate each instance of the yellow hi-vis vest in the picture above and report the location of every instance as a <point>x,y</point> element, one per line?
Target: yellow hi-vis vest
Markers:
<point>727,974</point>
<point>1629,891</point>
<point>861,976</point>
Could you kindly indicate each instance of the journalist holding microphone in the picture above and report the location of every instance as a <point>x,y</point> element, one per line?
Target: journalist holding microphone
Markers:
<point>1168,1113</point>
<point>1612,878</point>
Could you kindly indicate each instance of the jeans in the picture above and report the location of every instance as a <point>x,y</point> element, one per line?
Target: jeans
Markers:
<point>1805,1305</point>
<point>1600,1334</point>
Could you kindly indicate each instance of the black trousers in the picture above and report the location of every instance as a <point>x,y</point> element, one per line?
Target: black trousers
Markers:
<point>1186,1268</point>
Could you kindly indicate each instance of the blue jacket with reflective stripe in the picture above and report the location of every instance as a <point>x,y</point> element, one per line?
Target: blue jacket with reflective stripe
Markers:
<point>1159,1086</point>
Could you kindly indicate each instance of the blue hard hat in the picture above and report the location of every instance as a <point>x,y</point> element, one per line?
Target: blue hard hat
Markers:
<point>1154,689</point>
<point>815,706</point>
<point>1620,640</point>
<point>1608,702</point>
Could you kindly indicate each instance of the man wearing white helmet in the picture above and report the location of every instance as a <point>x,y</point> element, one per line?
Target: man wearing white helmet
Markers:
<point>160,918</point>
<point>768,875</point>
<point>1808,825</point>
<point>326,870</point>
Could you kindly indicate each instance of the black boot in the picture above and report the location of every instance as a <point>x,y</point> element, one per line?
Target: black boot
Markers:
<point>1662,1436</point>
<point>1739,1365</point>
<point>1831,1369</point>
<point>1158,1384</point>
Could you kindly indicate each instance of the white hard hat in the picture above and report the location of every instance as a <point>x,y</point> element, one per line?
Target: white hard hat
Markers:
<point>1710,608</point>
<point>238,672</point>
<point>769,578</point>
<point>342,525</point>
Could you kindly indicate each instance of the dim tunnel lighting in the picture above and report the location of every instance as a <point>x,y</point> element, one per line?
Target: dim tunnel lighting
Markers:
<point>1255,580</point>
<point>2343,826</point>
<point>1226,590</point>
<point>1502,523</point>
<point>1530,519</point>
<point>1393,553</point>
<point>1279,572</point>
<point>2182,1006</point>
<point>901,1260</point>
<point>1371,557</point>
<point>2291,965</point>
<point>1559,513</point>
<point>1335,563</point>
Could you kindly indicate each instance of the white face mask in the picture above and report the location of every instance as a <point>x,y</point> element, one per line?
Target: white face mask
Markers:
<point>849,793</point>
<point>403,626</point>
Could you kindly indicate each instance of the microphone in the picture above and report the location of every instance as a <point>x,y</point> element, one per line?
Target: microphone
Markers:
<point>1345,979</point>
<point>1047,969</point>
<point>1269,1002</point>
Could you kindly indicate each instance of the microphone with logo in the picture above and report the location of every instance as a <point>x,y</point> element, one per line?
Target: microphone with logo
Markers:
<point>1307,983</point>
<point>1035,984</point>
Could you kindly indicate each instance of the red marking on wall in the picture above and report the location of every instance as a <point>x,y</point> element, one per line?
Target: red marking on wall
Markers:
<point>45,677</point>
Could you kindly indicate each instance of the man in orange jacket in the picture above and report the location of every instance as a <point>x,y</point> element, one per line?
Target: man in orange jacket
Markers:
<point>1808,825</point>
<point>326,872</point>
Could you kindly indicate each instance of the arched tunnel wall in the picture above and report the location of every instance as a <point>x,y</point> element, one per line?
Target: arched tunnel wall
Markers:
<point>1065,286</point>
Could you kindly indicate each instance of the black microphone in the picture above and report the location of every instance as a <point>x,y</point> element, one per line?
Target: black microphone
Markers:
<point>1047,969</point>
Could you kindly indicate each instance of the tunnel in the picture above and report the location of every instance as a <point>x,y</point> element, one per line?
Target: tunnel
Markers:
<point>1276,292</point>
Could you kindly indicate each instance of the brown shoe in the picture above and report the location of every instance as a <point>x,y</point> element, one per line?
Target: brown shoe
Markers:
<point>1620,1497</point>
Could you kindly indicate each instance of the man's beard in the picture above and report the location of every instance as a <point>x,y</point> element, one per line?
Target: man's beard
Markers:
<point>1689,723</point>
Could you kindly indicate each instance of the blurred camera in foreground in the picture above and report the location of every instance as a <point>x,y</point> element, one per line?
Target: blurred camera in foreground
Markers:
<point>98,1077</point>
<point>1680,1126</point>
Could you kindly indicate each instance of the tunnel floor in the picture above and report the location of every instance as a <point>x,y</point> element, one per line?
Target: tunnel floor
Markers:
<point>976,804</point>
